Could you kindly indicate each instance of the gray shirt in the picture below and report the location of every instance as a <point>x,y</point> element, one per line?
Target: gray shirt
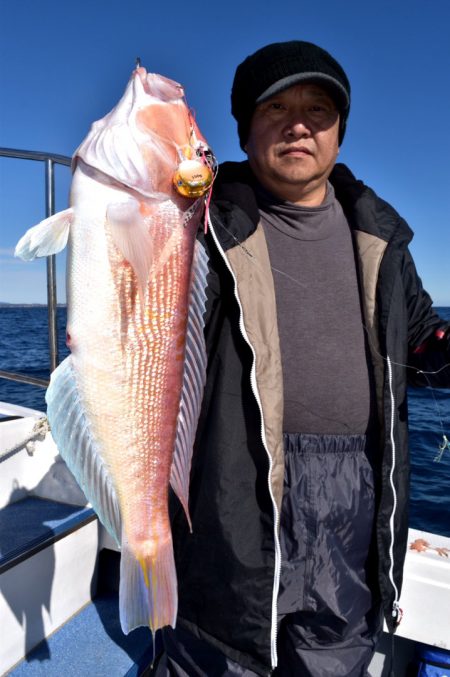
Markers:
<point>324,357</point>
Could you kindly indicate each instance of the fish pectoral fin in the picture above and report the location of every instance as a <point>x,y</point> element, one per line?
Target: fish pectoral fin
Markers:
<point>148,586</point>
<point>132,238</point>
<point>48,237</point>
<point>194,377</point>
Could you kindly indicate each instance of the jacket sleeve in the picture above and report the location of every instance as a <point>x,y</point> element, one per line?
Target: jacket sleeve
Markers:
<point>428,334</point>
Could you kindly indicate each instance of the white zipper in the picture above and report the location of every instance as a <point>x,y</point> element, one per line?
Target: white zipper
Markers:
<point>254,385</point>
<point>395,605</point>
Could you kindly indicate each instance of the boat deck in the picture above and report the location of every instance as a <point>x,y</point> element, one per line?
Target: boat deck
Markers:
<point>31,524</point>
<point>91,638</point>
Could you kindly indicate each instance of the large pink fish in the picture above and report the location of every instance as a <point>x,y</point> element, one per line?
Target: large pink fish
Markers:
<point>123,407</point>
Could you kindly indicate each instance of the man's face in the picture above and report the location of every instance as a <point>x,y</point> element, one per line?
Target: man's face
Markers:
<point>293,143</point>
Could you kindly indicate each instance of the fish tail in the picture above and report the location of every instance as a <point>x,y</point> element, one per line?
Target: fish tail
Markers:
<point>148,588</point>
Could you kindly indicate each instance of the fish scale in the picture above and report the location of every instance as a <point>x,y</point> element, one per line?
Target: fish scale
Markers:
<point>155,406</point>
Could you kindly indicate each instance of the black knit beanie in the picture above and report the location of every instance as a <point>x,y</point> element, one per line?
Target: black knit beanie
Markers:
<point>278,66</point>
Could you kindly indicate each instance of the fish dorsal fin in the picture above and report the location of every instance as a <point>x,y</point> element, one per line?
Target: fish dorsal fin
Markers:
<point>72,434</point>
<point>48,237</point>
<point>194,378</point>
<point>131,236</point>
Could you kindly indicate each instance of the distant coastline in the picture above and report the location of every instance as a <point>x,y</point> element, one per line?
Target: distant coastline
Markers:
<point>29,305</point>
<point>64,305</point>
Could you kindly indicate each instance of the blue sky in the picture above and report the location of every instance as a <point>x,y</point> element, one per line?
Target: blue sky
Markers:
<point>64,64</point>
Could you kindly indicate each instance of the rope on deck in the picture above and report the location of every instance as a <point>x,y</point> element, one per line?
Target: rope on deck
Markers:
<point>40,430</point>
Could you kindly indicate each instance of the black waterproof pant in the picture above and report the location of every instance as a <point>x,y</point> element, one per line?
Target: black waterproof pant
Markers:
<point>329,615</point>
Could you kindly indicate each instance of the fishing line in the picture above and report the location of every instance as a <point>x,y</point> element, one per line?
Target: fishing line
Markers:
<point>300,284</point>
<point>445,444</point>
<point>250,255</point>
<point>442,446</point>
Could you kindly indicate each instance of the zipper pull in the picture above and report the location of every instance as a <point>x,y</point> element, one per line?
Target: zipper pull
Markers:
<point>397,613</point>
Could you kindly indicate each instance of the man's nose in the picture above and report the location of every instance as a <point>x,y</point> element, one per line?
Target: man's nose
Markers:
<point>297,126</point>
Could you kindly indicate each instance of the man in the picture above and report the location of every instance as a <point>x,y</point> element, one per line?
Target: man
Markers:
<point>300,473</point>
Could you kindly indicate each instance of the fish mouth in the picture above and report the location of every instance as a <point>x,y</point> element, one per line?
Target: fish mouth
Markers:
<point>166,89</point>
<point>141,72</point>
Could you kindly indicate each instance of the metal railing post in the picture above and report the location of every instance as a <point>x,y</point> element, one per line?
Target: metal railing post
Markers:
<point>51,270</point>
<point>49,159</point>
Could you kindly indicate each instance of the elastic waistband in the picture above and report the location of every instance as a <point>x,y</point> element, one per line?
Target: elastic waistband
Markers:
<point>306,443</point>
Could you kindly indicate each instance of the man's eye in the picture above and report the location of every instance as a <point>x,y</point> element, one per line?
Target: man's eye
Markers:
<point>276,106</point>
<point>324,108</point>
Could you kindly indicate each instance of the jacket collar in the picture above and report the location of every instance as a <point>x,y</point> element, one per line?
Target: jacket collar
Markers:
<point>366,211</point>
<point>233,196</point>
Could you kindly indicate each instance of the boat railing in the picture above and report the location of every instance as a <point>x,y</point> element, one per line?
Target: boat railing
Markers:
<point>49,160</point>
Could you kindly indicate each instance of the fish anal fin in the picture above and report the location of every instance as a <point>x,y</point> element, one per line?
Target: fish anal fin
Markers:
<point>77,446</point>
<point>148,587</point>
<point>47,237</point>
<point>130,234</point>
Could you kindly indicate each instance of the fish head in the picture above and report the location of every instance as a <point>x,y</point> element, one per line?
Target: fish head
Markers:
<point>142,141</point>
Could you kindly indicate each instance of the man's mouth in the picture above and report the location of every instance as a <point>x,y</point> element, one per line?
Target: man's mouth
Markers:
<point>295,151</point>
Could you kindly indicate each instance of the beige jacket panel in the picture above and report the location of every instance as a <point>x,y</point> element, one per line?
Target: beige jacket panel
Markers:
<point>370,250</point>
<point>251,267</point>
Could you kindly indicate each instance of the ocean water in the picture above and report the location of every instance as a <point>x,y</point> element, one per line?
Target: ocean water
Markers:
<point>24,349</point>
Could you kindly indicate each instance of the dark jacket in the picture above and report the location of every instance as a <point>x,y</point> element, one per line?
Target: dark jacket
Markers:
<point>228,568</point>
